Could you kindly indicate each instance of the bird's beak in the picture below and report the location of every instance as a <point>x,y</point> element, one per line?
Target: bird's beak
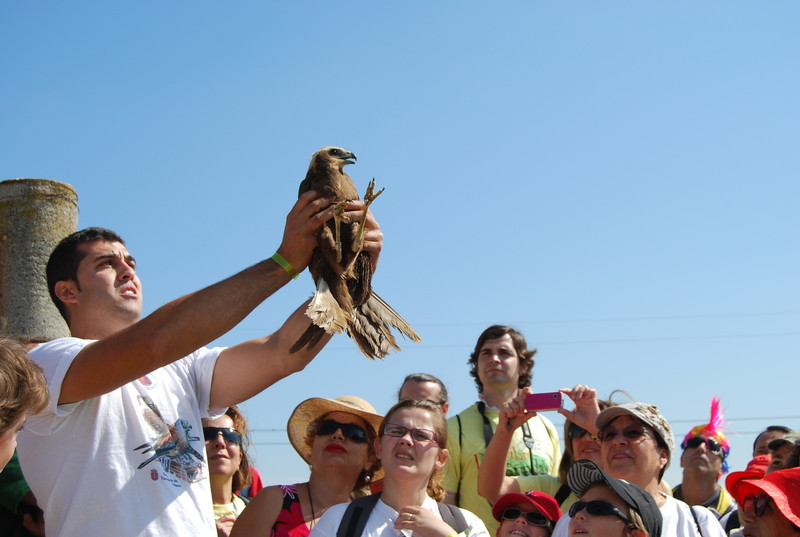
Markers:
<point>350,158</point>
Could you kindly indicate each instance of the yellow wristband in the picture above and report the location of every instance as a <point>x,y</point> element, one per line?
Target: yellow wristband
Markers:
<point>454,534</point>
<point>278,258</point>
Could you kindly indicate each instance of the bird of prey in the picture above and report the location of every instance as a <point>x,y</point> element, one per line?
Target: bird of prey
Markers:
<point>344,299</point>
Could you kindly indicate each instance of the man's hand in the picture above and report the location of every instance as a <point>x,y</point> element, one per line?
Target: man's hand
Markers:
<point>308,214</point>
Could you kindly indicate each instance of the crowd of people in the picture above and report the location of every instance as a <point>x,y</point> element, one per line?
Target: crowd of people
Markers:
<point>123,401</point>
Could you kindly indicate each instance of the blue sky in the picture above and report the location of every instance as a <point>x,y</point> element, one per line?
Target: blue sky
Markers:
<point>617,180</point>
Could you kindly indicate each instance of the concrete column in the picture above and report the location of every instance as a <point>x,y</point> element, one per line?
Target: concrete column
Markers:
<point>35,214</point>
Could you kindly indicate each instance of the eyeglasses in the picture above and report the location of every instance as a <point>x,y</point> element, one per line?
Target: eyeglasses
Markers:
<point>421,436</point>
<point>710,443</point>
<point>574,431</point>
<point>350,430</point>
<point>230,435</point>
<point>631,432</point>
<point>533,518</point>
<point>598,508</point>
<point>757,503</point>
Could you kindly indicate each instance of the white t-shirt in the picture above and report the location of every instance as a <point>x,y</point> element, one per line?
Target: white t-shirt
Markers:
<point>128,463</point>
<point>382,518</point>
<point>677,521</point>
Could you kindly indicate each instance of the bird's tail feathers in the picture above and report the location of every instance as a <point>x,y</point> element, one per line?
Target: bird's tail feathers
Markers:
<point>325,312</point>
<point>393,318</point>
<point>371,328</point>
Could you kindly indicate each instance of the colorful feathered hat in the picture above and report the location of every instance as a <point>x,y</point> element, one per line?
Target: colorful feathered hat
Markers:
<point>712,429</point>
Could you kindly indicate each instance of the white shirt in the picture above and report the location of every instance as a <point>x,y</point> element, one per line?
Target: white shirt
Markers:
<point>127,463</point>
<point>382,518</point>
<point>677,521</point>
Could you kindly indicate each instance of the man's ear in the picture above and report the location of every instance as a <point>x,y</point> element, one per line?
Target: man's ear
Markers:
<point>636,532</point>
<point>66,291</point>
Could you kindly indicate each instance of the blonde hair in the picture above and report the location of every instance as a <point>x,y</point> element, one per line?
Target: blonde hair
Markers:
<point>23,388</point>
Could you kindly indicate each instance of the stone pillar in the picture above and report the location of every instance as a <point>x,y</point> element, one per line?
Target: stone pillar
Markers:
<point>35,214</point>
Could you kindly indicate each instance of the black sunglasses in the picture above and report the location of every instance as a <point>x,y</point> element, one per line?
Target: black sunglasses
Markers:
<point>598,508</point>
<point>757,503</point>
<point>575,431</point>
<point>631,432</point>
<point>535,519</point>
<point>710,443</point>
<point>229,434</point>
<point>350,430</point>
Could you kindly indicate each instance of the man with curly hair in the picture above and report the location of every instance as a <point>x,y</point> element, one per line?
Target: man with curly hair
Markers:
<point>501,365</point>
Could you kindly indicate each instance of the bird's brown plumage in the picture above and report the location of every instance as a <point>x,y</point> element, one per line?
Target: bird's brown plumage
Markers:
<point>344,300</point>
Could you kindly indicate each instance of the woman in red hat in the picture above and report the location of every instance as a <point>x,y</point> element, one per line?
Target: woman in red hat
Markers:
<point>532,514</point>
<point>770,507</point>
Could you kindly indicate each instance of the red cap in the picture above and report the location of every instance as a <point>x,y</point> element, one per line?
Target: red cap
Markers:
<point>756,469</point>
<point>782,486</point>
<point>545,504</point>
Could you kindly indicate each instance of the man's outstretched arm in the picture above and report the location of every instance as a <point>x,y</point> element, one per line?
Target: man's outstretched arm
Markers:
<point>246,369</point>
<point>186,324</point>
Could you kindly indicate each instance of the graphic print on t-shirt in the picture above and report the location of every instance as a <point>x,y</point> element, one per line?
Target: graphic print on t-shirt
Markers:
<point>171,446</point>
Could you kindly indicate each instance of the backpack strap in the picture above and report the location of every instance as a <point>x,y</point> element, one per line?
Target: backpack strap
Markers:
<point>562,494</point>
<point>696,521</point>
<point>356,515</point>
<point>461,451</point>
<point>453,517</point>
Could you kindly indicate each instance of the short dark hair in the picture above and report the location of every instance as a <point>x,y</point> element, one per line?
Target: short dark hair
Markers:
<point>771,429</point>
<point>64,261</point>
<point>520,345</point>
<point>424,377</point>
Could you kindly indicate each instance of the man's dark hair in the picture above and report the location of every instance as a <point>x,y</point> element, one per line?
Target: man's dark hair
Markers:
<point>424,377</point>
<point>520,345</point>
<point>770,429</point>
<point>64,261</point>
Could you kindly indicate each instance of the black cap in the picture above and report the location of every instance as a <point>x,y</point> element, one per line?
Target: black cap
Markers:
<point>584,473</point>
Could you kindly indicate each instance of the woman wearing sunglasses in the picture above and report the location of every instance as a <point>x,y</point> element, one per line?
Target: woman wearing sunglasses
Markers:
<point>335,437</point>
<point>578,444</point>
<point>412,449</point>
<point>770,507</point>
<point>636,445</point>
<point>228,466</point>
<point>610,507</point>
<point>529,514</point>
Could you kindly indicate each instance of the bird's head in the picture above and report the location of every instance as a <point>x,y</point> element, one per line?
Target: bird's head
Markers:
<point>335,157</point>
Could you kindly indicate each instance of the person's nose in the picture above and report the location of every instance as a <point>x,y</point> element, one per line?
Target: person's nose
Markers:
<point>338,434</point>
<point>218,441</point>
<point>619,440</point>
<point>126,272</point>
<point>580,515</point>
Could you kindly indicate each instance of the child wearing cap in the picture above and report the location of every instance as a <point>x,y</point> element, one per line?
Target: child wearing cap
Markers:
<point>610,507</point>
<point>532,514</point>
